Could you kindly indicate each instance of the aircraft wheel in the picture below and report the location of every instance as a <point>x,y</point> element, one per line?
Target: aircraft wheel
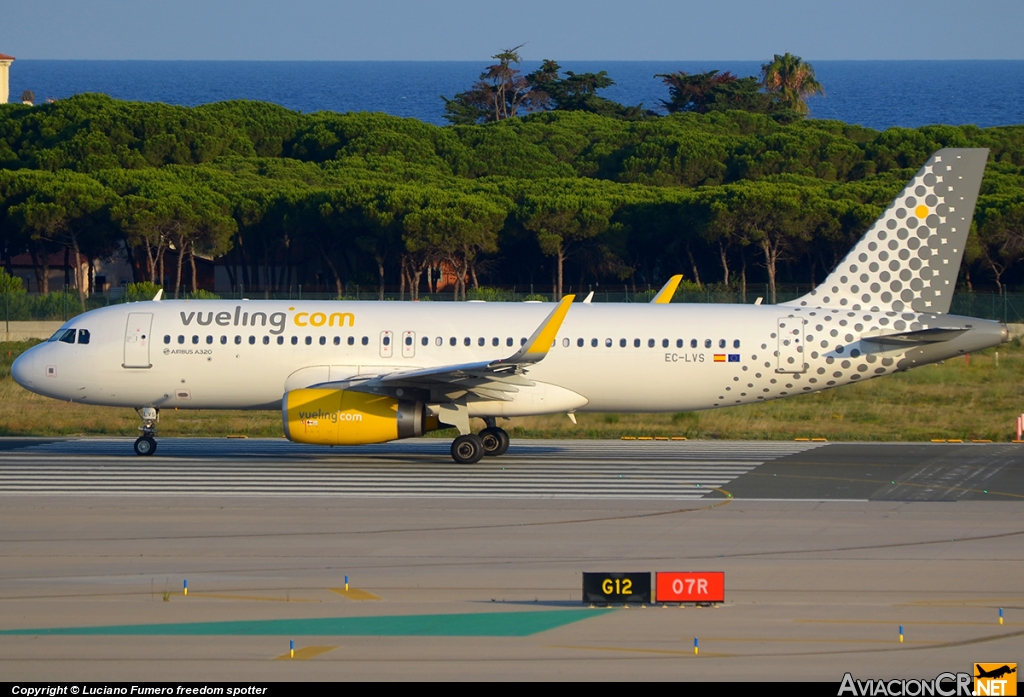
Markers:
<point>468,449</point>
<point>495,440</point>
<point>145,446</point>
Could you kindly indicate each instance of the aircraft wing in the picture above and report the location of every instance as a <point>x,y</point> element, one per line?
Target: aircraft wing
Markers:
<point>483,380</point>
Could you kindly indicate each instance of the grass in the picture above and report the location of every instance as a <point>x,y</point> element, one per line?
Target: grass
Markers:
<point>954,399</point>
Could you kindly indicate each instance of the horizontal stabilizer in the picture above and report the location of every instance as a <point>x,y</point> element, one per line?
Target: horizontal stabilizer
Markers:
<point>933,335</point>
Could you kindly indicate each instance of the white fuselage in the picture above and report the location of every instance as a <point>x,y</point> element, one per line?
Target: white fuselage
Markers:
<point>245,354</point>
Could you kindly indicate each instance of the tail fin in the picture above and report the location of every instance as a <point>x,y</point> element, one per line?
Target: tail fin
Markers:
<point>910,257</point>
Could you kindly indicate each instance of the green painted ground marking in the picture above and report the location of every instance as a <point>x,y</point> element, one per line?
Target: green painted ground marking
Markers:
<point>504,624</point>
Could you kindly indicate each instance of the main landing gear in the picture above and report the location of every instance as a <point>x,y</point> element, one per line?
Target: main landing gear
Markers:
<point>471,448</point>
<point>146,443</point>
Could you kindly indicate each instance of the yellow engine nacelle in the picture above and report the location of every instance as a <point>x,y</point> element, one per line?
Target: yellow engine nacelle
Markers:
<point>343,417</point>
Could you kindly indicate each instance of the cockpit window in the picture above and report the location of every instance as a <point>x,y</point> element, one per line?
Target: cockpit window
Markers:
<point>68,337</point>
<point>56,335</point>
<point>83,336</point>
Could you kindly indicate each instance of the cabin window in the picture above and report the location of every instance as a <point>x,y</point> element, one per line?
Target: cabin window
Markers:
<point>337,341</point>
<point>707,343</point>
<point>309,341</point>
<point>481,341</point>
<point>636,343</point>
<point>386,340</point>
<point>467,341</point>
<point>494,341</point>
<point>365,341</point>
<point>223,340</point>
<point>565,342</point>
<point>452,341</point>
<point>664,343</point>
<point>607,343</point>
<point>280,340</point>
<point>438,341</point>
<point>238,339</point>
<point>83,336</point>
<point>266,340</point>
<point>622,343</point>
<point>579,342</point>
<point>693,343</point>
<point>295,340</point>
<point>735,343</point>
<point>679,343</point>
<point>509,342</point>
<point>252,340</point>
<point>522,342</point>
<point>721,343</point>
<point>424,341</point>
<point>167,338</point>
<point>195,338</point>
<point>650,343</point>
<point>323,341</point>
<point>408,341</point>
<point>181,338</point>
<point>351,341</point>
<point>209,339</point>
<point>593,342</point>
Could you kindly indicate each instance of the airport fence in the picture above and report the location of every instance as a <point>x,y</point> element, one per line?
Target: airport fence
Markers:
<point>20,305</point>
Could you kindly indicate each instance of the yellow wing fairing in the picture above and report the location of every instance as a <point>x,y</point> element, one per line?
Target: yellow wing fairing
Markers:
<point>665,295</point>
<point>541,341</point>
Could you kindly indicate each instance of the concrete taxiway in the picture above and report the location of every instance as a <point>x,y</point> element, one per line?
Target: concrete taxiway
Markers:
<point>474,571</point>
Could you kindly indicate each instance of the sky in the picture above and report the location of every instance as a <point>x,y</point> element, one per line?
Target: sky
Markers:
<point>472,30</point>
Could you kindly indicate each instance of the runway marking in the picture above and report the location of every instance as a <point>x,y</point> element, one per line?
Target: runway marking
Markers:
<point>305,653</point>
<point>356,594</point>
<point>224,596</point>
<point>479,624</point>
<point>969,602</point>
<point>881,483</point>
<point>908,623</point>
<point>419,468</point>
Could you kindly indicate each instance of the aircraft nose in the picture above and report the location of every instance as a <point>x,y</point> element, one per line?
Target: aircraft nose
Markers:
<point>23,369</point>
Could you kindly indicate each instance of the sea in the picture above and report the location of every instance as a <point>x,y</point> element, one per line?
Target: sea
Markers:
<point>876,94</point>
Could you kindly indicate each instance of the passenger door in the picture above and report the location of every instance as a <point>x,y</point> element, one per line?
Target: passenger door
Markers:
<point>137,340</point>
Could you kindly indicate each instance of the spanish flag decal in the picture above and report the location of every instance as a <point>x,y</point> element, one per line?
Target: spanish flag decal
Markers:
<point>719,358</point>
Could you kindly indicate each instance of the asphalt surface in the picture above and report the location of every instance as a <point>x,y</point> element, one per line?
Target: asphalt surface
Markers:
<point>468,573</point>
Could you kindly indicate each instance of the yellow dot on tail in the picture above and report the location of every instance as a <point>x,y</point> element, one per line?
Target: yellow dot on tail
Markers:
<point>921,211</point>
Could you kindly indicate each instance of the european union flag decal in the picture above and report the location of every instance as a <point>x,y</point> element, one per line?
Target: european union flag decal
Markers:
<point>734,358</point>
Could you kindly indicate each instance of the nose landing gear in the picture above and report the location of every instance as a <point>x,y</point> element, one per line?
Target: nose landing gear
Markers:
<point>146,443</point>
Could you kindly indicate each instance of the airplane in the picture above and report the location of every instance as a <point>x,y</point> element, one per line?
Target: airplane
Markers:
<point>347,373</point>
<point>995,673</point>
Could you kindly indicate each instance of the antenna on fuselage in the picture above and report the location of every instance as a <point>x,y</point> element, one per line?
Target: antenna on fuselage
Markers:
<point>159,294</point>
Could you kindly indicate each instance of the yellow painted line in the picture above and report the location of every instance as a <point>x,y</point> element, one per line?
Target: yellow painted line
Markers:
<point>803,440</point>
<point>306,653</point>
<point>356,594</point>
<point>625,649</point>
<point>770,640</point>
<point>661,438</point>
<point>938,440</point>
<point>907,623</point>
<point>819,440</point>
<point>955,440</point>
<point>225,596</point>
<point>644,438</point>
<point>980,440</point>
<point>966,601</point>
<point>629,438</point>
<point>678,437</point>
<point>238,436</point>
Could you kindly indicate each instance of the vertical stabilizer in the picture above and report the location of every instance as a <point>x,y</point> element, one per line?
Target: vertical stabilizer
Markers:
<point>910,257</point>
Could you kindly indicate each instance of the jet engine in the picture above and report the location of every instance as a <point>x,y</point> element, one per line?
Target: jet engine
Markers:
<point>325,416</point>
